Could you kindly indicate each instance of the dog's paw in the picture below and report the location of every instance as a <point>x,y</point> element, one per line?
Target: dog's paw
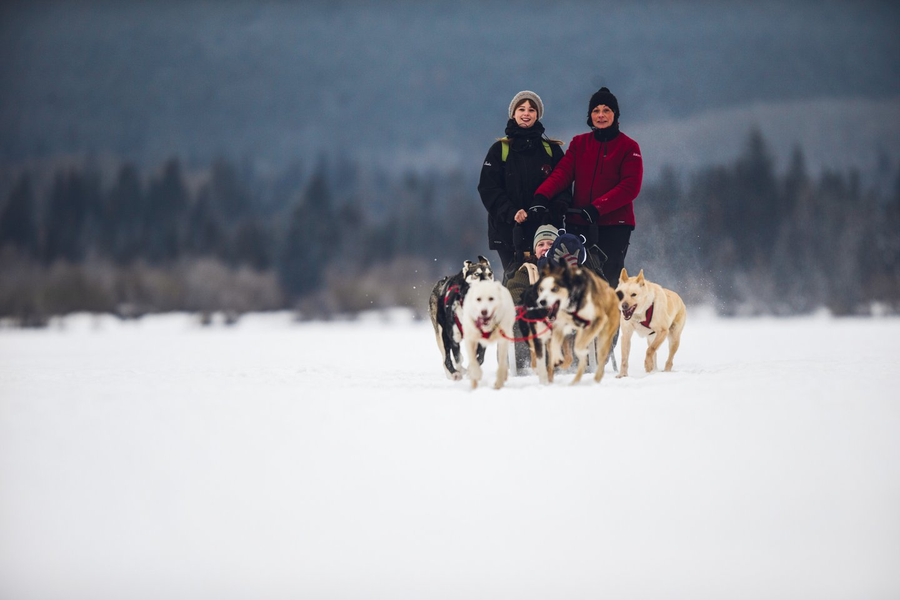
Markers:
<point>456,376</point>
<point>621,375</point>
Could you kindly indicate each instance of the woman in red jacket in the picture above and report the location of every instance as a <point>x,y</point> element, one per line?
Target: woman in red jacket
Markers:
<point>607,169</point>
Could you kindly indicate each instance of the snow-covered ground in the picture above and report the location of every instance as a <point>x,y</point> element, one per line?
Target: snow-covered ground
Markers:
<point>273,459</point>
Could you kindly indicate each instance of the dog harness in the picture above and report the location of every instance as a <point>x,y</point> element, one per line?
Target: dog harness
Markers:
<point>648,315</point>
<point>458,324</point>
<point>448,299</point>
<point>582,322</point>
<point>452,289</point>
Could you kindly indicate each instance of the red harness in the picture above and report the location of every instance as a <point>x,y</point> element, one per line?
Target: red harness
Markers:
<point>450,290</point>
<point>520,316</point>
<point>487,334</point>
<point>580,320</point>
<point>458,324</point>
<point>648,315</point>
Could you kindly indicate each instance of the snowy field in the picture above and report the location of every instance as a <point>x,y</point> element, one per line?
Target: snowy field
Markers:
<point>281,460</point>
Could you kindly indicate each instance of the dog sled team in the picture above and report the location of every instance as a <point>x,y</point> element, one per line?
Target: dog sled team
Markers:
<point>561,223</point>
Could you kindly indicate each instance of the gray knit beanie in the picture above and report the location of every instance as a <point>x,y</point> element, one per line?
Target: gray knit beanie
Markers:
<point>526,95</point>
<point>545,232</point>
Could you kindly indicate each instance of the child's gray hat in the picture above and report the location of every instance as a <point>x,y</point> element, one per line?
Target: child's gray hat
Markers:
<point>545,232</point>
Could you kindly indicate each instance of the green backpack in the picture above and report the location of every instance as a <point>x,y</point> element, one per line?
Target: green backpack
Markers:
<point>504,152</point>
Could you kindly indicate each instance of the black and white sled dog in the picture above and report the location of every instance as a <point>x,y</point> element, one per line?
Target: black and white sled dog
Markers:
<point>488,315</point>
<point>536,324</point>
<point>445,307</point>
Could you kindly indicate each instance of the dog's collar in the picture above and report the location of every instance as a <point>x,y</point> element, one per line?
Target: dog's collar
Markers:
<point>648,315</point>
<point>484,334</point>
<point>579,319</point>
<point>487,334</point>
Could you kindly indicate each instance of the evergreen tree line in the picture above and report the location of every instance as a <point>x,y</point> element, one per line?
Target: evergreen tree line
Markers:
<point>333,239</point>
<point>748,240</point>
<point>324,241</point>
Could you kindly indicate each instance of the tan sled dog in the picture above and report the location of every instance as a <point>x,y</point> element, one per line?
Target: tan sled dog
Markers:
<point>488,315</point>
<point>579,301</point>
<point>653,312</point>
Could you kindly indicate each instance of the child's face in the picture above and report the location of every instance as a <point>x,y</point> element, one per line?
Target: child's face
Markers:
<point>542,247</point>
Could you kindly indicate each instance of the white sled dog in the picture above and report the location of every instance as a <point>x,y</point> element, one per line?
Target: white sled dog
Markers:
<point>445,307</point>
<point>654,313</point>
<point>579,301</point>
<point>488,315</point>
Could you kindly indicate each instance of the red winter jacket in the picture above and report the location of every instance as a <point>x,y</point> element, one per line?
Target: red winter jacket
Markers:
<point>610,180</point>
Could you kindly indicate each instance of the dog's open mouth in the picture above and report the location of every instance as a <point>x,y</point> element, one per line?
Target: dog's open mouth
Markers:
<point>483,322</point>
<point>551,314</point>
<point>628,312</point>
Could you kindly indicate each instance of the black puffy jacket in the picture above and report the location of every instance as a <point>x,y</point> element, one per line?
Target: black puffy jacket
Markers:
<point>506,187</point>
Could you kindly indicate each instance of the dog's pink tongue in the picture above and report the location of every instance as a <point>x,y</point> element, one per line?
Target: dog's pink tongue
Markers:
<point>482,321</point>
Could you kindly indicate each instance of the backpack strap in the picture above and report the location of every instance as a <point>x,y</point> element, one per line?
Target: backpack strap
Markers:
<point>504,150</point>
<point>533,274</point>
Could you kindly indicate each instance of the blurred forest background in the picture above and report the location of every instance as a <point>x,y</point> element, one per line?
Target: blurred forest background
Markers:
<point>324,156</point>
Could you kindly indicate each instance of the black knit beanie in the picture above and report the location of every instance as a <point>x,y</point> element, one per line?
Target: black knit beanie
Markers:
<point>605,97</point>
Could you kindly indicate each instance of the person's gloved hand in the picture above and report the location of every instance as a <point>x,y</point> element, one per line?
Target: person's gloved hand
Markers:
<point>541,202</point>
<point>590,213</point>
<point>563,256</point>
<point>560,207</point>
<point>570,260</point>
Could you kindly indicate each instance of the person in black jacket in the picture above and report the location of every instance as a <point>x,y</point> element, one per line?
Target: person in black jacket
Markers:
<point>514,168</point>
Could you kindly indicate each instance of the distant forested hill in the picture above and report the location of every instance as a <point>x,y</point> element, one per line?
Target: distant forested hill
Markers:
<point>425,83</point>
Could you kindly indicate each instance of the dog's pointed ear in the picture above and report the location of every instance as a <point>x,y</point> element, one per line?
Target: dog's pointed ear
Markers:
<point>467,265</point>
<point>640,277</point>
<point>482,259</point>
<point>623,275</point>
